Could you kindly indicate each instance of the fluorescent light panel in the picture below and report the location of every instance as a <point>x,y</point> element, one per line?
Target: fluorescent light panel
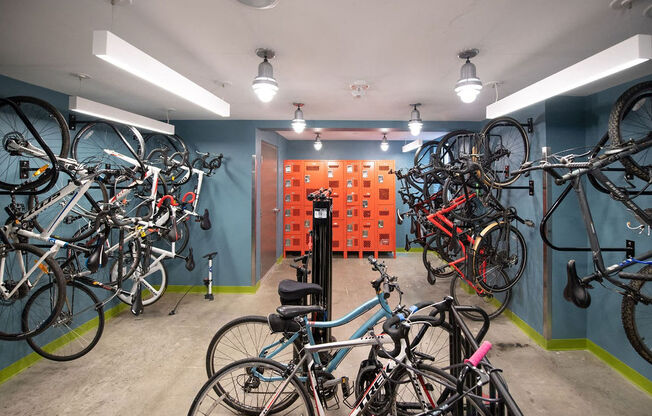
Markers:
<point>125,56</point>
<point>413,145</point>
<point>92,108</point>
<point>619,57</point>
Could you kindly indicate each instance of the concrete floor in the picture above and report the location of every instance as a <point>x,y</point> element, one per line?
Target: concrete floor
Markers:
<point>154,364</point>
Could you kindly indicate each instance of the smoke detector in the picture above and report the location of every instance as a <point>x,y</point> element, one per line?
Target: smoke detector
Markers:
<point>359,88</point>
<point>260,4</point>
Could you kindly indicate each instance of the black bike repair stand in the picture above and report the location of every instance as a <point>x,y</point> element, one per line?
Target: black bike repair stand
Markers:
<point>208,282</point>
<point>322,258</point>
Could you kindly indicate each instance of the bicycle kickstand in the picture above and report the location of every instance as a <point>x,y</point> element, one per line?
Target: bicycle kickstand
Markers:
<point>208,282</point>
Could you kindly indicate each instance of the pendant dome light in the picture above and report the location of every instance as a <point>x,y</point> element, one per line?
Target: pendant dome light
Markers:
<point>298,123</point>
<point>415,123</point>
<point>469,85</point>
<point>264,85</point>
<point>384,144</point>
<point>317,143</point>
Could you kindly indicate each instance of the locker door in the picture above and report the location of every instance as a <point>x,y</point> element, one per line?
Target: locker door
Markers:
<point>385,182</point>
<point>314,176</point>
<point>385,229</point>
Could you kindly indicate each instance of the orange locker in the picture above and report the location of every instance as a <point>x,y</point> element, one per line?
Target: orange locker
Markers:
<point>314,174</point>
<point>385,182</point>
<point>307,218</point>
<point>352,197</point>
<point>335,178</point>
<point>352,242</point>
<point>339,239</point>
<point>293,242</point>
<point>385,228</point>
<point>367,236</point>
<point>352,175</point>
<point>352,213</point>
<point>367,177</point>
<point>293,196</point>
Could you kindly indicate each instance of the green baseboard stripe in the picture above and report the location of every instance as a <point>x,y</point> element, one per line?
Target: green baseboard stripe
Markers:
<point>279,260</point>
<point>216,289</point>
<point>626,371</point>
<point>412,250</point>
<point>25,362</point>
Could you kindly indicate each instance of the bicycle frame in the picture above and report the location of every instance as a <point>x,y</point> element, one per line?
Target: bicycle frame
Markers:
<point>383,312</point>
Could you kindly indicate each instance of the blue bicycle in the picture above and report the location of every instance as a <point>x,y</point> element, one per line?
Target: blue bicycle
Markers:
<point>278,336</point>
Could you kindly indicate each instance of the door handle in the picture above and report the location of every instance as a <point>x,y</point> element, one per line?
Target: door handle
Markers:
<point>276,210</point>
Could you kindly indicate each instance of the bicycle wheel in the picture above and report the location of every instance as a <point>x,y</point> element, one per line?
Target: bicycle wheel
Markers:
<point>174,142</point>
<point>423,153</point>
<point>453,145</point>
<point>22,262</point>
<point>246,386</point>
<point>19,145</point>
<point>93,139</point>
<point>430,343</point>
<point>492,303</point>
<point>499,247</point>
<point>631,119</point>
<point>75,331</point>
<point>80,222</point>
<point>416,394</point>
<point>437,253</point>
<point>504,148</point>
<point>154,281</point>
<point>244,337</point>
<point>477,205</point>
<point>637,317</point>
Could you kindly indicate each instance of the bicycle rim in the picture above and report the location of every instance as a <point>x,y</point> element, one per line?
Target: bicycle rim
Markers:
<point>637,317</point>
<point>505,147</point>
<point>75,331</point>
<point>492,303</point>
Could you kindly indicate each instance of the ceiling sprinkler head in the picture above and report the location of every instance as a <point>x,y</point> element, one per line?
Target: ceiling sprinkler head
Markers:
<point>359,88</point>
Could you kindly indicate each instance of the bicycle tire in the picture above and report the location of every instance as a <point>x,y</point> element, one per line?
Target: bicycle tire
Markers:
<point>15,329</point>
<point>624,106</point>
<point>413,406</point>
<point>90,143</point>
<point>154,286</point>
<point>636,334</point>
<point>474,209</point>
<point>269,368</point>
<point>502,165</point>
<point>55,135</point>
<point>464,294</point>
<point>58,342</point>
<point>83,225</point>
<point>485,247</point>
<point>425,149</point>
<point>253,333</point>
<point>445,148</point>
<point>435,246</point>
<point>158,140</point>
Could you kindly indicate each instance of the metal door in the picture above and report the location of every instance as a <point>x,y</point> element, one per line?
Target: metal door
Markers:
<point>268,208</point>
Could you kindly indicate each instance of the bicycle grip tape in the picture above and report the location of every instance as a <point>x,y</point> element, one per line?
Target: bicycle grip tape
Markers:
<point>479,354</point>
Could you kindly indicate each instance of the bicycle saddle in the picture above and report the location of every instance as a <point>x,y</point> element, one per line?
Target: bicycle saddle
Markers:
<point>210,255</point>
<point>290,290</point>
<point>574,291</point>
<point>292,311</point>
<point>98,257</point>
<point>190,261</point>
<point>205,222</point>
<point>173,234</point>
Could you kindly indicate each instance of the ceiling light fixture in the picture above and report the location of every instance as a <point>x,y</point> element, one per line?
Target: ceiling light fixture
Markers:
<point>415,123</point>
<point>384,144</point>
<point>260,4</point>
<point>103,111</point>
<point>116,51</point>
<point>317,143</point>
<point>298,124</point>
<point>264,85</point>
<point>469,85</point>
<point>619,57</point>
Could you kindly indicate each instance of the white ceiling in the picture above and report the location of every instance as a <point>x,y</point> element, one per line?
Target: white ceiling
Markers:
<point>406,50</point>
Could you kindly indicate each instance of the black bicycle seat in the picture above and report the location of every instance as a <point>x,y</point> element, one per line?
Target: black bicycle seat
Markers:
<point>574,291</point>
<point>205,222</point>
<point>210,255</point>
<point>293,290</point>
<point>292,311</point>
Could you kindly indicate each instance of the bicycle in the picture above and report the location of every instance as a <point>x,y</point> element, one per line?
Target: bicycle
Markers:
<point>632,154</point>
<point>406,384</point>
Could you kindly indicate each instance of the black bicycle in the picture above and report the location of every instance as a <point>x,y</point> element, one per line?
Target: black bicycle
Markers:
<point>628,142</point>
